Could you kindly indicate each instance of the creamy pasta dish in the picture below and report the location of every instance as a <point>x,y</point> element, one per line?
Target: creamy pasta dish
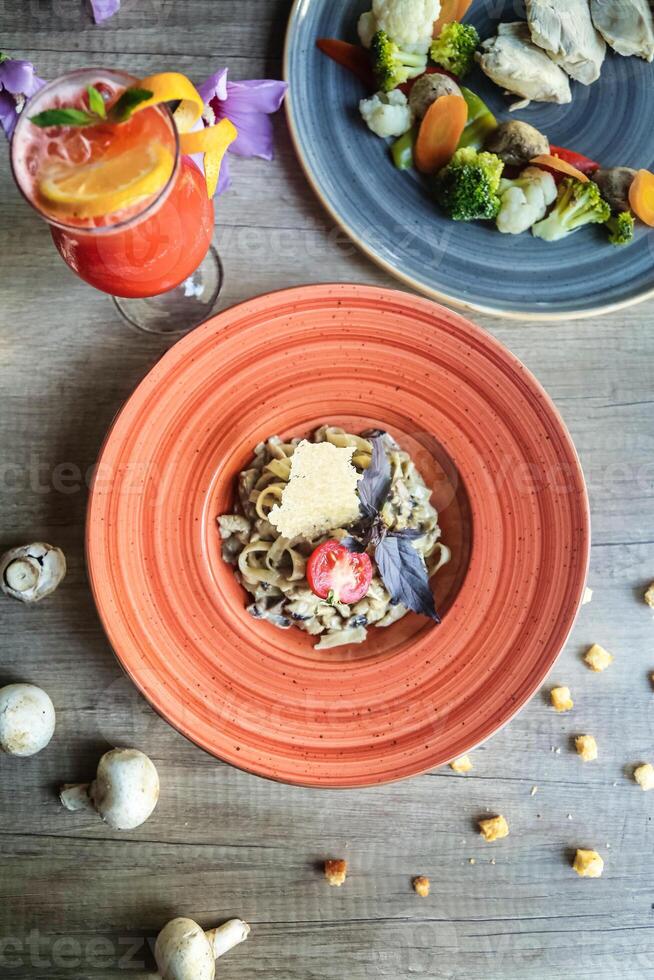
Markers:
<point>333,535</point>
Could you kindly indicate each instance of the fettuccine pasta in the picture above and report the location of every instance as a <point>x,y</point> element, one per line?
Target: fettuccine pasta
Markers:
<point>272,568</point>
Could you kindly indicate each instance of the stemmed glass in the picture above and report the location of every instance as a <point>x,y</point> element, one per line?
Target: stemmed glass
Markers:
<point>153,253</point>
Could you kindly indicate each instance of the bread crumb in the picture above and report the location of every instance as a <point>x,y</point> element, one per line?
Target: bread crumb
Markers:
<point>462,765</point>
<point>588,597</point>
<point>557,751</point>
<point>421,886</point>
<point>534,790</point>
<point>649,596</point>
<point>644,776</point>
<point>336,872</point>
<point>561,699</point>
<point>586,747</point>
<point>492,861</point>
<point>598,659</point>
<point>472,861</point>
<point>588,864</point>
<point>494,829</point>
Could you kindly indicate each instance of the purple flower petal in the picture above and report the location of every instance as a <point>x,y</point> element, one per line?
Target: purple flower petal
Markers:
<point>18,77</point>
<point>8,114</point>
<point>18,82</point>
<point>104,9</point>
<point>258,95</point>
<point>215,87</point>
<point>248,104</point>
<point>225,179</point>
<point>255,133</point>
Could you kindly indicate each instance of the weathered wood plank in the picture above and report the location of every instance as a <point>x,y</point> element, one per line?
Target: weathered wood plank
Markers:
<point>222,842</point>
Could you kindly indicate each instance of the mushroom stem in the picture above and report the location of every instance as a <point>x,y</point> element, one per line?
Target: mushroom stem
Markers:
<point>184,951</point>
<point>75,796</point>
<point>227,936</point>
<point>22,574</point>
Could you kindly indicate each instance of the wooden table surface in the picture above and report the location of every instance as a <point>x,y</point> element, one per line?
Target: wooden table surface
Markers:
<point>77,900</point>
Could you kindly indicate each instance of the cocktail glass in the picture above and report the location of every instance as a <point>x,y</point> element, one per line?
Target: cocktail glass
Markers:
<point>153,254</point>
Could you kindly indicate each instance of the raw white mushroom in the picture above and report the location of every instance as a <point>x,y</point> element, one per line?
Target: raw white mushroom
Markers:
<point>27,719</point>
<point>184,951</point>
<point>124,792</point>
<point>32,572</point>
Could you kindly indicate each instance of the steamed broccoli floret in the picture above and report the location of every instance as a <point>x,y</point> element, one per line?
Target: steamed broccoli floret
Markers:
<point>392,65</point>
<point>455,48</point>
<point>578,204</point>
<point>467,188</point>
<point>621,228</point>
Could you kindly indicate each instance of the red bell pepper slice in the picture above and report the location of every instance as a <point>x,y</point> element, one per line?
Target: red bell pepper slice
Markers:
<point>578,160</point>
<point>351,56</point>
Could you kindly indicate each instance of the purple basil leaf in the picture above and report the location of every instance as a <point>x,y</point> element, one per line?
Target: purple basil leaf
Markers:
<point>354,545</point>
<point>410,533</point>
<point>405,575</point>
<point>376,480</point>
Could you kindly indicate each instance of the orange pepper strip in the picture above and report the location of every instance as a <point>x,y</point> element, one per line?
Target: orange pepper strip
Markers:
<point>548,162</point>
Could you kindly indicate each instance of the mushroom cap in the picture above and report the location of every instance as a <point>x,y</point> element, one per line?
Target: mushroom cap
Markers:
<point>183,952</point>
<point>27,719</point>
<point>428,88</point>
<point>614,183</point>
<point>517,142</point>
<point>125,790</point>
<point>32,572</point>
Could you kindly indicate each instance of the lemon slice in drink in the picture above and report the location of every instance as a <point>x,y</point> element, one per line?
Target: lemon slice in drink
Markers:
<point>106,186</point>
<point>212,141</point>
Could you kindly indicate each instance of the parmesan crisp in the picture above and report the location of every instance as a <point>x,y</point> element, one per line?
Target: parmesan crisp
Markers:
<point>321,492</point>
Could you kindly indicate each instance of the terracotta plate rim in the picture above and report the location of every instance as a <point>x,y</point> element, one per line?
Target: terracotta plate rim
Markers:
<point>177,352</point>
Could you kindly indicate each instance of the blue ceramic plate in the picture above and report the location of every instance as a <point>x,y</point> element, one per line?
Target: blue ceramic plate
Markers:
<point>392,218</point>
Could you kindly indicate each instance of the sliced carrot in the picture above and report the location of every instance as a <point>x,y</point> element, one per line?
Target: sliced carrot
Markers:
<point>641,197</point>
<point>351,56</point>
<point>557,166</point>
<point>451,10</point>
<point>440,133</point>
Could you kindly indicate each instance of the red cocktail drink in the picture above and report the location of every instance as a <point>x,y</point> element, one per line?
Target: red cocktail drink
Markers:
<point>128,213</point>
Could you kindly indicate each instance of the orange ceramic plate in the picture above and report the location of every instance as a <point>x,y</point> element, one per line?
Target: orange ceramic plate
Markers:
<point>513,508</point>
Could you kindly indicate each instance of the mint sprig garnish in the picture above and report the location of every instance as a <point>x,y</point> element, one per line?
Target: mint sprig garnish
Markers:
<point>120,112</point>
<point>127,103</point>
<point>63,117</point>
<point>96,102</point>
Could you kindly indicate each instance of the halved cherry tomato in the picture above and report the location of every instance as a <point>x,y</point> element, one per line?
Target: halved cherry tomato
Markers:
<point>337,574</point>
<point>577,160</point>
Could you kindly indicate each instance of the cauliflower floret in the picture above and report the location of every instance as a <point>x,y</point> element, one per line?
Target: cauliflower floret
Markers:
<point>367,28</point>
<point>410,23</point>
<point>525,200</point>
<point>387,113</point>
